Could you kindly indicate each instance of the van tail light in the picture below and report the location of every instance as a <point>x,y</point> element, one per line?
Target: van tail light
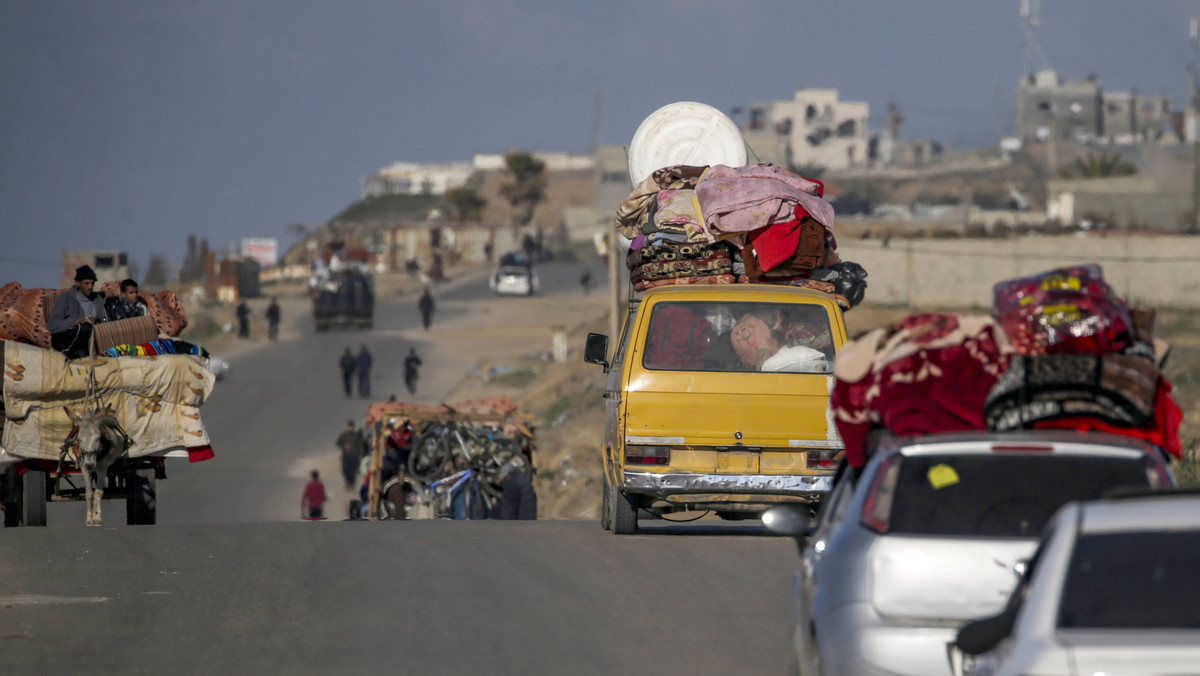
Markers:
<point>823,459</point>
<point>877,510</point>
<point>1156,473</point>
<point>647,455</point>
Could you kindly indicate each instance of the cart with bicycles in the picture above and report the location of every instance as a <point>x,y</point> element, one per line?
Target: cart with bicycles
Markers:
<point>457,457</point>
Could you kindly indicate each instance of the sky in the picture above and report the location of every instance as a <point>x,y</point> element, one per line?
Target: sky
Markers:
<point>128,124</point>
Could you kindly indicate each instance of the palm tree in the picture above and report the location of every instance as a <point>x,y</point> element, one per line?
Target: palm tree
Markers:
<point>1098,165</point>
<point>527,188</point>
<point>466,204</point>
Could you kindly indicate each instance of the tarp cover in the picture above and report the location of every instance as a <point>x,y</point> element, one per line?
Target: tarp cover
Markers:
<point>155,399</point>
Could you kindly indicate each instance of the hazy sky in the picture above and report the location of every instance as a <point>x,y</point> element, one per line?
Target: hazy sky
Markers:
<point>128,124</point>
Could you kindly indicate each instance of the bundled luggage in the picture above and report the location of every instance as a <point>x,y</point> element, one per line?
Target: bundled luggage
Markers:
<point>1061,351</point>
<point>724,225</point>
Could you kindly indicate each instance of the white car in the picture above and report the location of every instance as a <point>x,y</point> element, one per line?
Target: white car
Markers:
<point>933,533</point>
<point>1113,589</point>
<point>218,366</point>
<point>514,280</point>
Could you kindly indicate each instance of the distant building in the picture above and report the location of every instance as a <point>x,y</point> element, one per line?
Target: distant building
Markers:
<point>110,266</point>
<point>1048,107</point>
<point>1131,118</point>
<point>814,128</point>
<point>408,178</point>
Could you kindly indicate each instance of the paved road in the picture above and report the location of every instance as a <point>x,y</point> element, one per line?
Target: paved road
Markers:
<point>229,581</point>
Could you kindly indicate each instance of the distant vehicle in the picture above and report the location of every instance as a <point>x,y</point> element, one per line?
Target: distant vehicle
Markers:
<point>344,297</point>
<point>514,280</point>
<point>218,366</point>
<point>933,532</point>
<point>1112,589</point>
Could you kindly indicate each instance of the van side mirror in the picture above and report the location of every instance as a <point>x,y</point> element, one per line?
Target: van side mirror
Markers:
<point>595,351</point>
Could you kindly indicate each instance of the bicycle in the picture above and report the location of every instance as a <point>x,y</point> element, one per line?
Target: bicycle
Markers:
<point>476,503</point>
<point>486,452</point>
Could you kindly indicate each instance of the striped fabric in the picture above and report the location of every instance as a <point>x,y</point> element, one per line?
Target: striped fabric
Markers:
<point>132,331</point>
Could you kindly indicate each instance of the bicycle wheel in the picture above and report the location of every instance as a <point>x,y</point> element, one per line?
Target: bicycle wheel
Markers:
<point>428,458</point>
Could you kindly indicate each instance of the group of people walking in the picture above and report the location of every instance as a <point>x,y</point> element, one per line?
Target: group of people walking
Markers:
<point>272,315</point>
<point>357,368</point>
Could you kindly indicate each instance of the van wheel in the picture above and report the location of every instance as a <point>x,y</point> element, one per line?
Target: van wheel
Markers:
<point>33,498</point>
<point>624,513</point>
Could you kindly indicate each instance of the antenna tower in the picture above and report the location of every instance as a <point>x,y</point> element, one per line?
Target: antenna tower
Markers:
<point>1030,48</point>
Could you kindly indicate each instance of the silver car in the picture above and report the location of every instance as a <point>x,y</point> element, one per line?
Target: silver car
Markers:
<point>932,533</point>
<point>1112,589</point>
<point>514,280</point>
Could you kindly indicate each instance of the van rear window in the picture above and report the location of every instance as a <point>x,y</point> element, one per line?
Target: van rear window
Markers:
<point>739,337</point>
<point>999,494</point>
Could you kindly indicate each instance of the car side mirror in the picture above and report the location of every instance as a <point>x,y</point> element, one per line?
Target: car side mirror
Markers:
<point>595,351</point>
<point>981,636</point>
<point>788,520</point>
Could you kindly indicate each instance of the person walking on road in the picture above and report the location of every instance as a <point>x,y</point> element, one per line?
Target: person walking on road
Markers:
<point>312,502</point>
<point>585,280</point>
<point>364,362</point>
<point>348,363</point>
<point>243,317</point>
<point>273,319</point>
<point>412,366</point>
<point>518,499</point>
<point>353,449</point>
<point>426,306</point>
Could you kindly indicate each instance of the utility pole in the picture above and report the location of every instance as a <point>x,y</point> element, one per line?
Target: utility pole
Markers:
<point>1193,122</point>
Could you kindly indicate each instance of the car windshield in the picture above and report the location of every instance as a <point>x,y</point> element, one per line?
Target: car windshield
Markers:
<point>999,494</point>
<point>1141,580</point>
<point>738,337</point>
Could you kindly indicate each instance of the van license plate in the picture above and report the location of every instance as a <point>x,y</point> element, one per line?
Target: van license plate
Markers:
<point>737,463</point>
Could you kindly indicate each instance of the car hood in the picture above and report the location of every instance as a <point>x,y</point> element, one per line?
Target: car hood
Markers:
<point>944,579</point>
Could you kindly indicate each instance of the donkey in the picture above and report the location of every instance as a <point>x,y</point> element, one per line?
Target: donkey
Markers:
<point>101,442</point>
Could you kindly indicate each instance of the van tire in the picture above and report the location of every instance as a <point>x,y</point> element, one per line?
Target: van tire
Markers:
<point>624,513</point>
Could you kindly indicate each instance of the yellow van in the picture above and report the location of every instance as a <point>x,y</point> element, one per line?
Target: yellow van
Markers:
<point>718,399</point>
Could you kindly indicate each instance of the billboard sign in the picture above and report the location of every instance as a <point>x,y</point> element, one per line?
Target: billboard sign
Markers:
<point>265,250</point>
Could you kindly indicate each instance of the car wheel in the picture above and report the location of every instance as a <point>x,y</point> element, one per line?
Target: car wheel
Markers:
<point>624,513</point>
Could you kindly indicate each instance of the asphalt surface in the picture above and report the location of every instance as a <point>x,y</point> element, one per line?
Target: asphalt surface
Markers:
<point>229,581</point>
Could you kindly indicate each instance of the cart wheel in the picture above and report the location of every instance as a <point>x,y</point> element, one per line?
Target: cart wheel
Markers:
<point>33,498</point>
<point>141,505</point>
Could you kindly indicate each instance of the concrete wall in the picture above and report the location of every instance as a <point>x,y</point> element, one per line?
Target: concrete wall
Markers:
<point>1158,271</point>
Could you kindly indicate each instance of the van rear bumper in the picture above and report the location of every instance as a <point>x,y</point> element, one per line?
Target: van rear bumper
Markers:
<point>660,485</point>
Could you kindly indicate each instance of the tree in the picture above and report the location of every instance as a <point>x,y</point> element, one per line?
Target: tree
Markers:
<point>527,186</point>
<point>466,204</point>
<point>156,272</point>
<point>1098,165</point>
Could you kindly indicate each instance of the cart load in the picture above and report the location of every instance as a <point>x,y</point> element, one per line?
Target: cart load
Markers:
<point>1060,351</point>
<point>422,454</point>
<point>155,399</point>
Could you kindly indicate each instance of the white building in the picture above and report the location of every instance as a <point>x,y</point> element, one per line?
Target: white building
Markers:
<point>408,178</point>
<point>814,128</point>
